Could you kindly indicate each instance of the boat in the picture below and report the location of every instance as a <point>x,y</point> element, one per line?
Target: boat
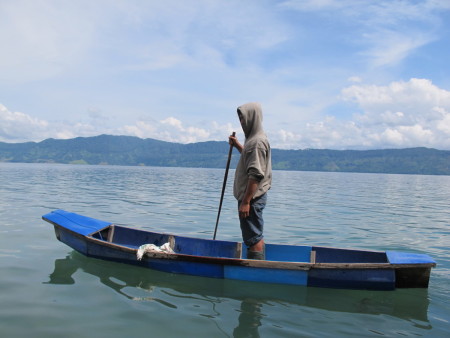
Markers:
<point>312,266</point>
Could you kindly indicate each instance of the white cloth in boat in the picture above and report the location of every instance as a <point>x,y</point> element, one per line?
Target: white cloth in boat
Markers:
<point>153,248</point>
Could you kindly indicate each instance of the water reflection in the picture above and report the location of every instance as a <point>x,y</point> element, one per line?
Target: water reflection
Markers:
<point>134,282</point>
<point>249,319</point>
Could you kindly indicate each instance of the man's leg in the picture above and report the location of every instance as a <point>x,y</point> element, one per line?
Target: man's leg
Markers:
<point>252,229</point>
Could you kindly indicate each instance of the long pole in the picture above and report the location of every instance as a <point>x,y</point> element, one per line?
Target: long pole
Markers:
<point>223,187</point>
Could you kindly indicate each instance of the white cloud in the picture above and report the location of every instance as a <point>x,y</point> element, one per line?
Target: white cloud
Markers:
<point>17,126</point>
<point>43,39</point>
<point>47,39</point>
<point>315,5</point>
<point>355,79</point>
<point>418,96</point>
<point>371,12</point>
<point>168,70</point>
<point>388,31</point>
<point>171,121</point>
<point>391,47</point>
<point>173,130</point>
<point>401,114</point>
<point>444,124</point>
<point>21,127</point>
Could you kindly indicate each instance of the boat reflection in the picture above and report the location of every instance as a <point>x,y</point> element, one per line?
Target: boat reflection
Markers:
<point>407,304</point>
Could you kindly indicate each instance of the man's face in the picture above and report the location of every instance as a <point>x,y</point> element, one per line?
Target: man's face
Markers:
<point>241,119</point>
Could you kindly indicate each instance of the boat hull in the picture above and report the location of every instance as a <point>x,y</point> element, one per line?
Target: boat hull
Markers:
<point>284,264</point>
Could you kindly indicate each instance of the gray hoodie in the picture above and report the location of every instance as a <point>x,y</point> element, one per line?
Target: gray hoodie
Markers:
<point>255,161</point>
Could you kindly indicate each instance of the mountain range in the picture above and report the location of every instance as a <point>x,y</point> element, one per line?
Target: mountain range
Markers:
<point>129,150</point>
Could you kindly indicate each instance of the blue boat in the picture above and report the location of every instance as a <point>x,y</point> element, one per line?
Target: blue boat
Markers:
<point>285,264</point>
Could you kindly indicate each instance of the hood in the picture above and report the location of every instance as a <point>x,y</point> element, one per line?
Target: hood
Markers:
<point>252,119</point>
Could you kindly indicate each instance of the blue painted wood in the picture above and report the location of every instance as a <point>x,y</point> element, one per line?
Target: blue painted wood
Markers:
<point>75,222</point>
<point>172,266</point>
<point>187,268</point>
<point>285,264</point>
<point>380,279</point>
<point>205,247</point>
<point>266,275</point>
<point>288,253</point>
<point>396,257</point>
<point>335,255</point>
<point>134,238</point>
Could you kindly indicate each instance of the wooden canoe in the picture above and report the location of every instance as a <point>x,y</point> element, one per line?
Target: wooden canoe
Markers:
<point>285,264</point>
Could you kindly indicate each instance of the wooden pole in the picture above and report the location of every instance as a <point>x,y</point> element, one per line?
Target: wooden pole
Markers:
<point>223,186</point>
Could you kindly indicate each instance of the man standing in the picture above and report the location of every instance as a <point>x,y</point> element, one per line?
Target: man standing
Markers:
<point>253,178</point>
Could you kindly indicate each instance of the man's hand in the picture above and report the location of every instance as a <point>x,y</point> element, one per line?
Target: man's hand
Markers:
<point>244,210</point>
<point>233,141</point>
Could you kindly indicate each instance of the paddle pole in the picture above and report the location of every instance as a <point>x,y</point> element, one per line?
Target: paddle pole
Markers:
<point>224,185</point>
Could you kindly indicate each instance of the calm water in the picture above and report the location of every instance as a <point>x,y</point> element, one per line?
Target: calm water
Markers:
<point>48,290</point>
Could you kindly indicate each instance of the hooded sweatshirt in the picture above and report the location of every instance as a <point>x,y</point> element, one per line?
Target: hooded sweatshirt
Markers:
<point>255,161</point>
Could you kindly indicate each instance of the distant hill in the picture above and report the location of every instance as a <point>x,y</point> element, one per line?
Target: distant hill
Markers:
<point>128,150</point>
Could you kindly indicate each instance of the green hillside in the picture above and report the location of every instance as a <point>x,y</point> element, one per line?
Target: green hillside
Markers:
<point>128,150</point>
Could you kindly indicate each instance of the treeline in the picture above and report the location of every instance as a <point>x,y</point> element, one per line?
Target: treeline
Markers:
<point>128,150</point>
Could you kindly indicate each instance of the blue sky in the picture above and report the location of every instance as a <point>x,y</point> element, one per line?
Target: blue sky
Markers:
<point>337,74</point>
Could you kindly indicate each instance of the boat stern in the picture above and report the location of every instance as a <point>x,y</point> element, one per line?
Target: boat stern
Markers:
<point>412,270</point>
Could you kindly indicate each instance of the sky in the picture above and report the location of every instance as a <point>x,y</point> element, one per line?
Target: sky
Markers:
<point>334,74</point>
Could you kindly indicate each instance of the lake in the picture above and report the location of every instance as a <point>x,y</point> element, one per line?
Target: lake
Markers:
<point>48,290</point>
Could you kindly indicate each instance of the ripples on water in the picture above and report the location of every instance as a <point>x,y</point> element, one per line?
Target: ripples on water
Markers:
<point>48,290</point>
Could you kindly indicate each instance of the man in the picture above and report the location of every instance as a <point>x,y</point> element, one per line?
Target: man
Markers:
<point>253,178</point>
